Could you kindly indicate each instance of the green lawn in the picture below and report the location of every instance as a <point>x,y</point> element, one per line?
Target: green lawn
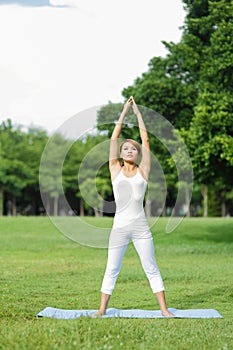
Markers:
<point>40,267</point>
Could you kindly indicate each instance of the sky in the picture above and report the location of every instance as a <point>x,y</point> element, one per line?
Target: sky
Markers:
<point>60,57</point>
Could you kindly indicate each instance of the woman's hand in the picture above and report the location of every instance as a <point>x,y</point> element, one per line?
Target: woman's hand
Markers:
<point>135,107</point>
<point>117,130</point>
<point>127,105</point>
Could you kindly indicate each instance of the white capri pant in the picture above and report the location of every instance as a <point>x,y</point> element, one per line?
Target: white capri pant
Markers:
<point>144,246</point>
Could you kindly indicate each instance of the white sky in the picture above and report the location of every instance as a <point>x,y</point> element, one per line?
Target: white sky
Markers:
<point>58,61</point>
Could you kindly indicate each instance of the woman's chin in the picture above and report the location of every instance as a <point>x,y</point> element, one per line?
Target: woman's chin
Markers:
<point>129,161</point>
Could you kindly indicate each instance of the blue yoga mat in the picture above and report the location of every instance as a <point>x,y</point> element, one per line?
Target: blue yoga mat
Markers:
<point>111,313</point>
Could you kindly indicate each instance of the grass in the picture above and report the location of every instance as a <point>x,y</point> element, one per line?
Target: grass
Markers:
<point>40,267</point>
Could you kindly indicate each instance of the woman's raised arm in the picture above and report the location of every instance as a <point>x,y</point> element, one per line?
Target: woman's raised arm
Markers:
<point>113,154</point>
<point>145,163</point>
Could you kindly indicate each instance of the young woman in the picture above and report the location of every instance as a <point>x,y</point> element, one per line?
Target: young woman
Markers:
<point>129,185</point>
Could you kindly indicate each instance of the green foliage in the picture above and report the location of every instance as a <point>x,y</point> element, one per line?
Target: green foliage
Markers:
<point>108,115</point>
<point>71,165</point>
<point>211,129</point>
<point>163,88</point>
<point>192,88</point>
<point>51,166</point>
<point>93,175</point>
<point>20,154</point>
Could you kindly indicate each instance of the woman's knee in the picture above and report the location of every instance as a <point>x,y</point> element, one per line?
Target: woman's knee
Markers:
<point>112,271</point>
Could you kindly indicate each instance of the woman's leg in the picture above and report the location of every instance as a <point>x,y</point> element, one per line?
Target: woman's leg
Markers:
<point>145,250</point>
<point>103,304</point>
<point>162,304</point>
<point>115,257</point>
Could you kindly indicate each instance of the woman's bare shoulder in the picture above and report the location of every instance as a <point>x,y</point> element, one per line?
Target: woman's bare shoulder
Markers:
<point>144,174</point>
<point>115,169</point>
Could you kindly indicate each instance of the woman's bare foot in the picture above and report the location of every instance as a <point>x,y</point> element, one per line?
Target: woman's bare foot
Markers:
<point>103,305</point>
<point>167,313</point>
<point>162,304</point>
<point>99,313</point>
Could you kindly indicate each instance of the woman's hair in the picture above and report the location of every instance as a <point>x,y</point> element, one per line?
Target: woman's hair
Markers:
<point>134,143</point>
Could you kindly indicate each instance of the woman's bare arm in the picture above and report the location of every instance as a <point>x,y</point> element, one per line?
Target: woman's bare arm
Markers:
<point>114,163</point>
<point>145,161</point>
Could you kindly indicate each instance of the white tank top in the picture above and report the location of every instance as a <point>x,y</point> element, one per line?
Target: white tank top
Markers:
<point>129,193</point>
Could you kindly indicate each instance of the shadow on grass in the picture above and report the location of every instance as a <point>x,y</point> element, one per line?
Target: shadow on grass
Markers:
<point>207,299</point>
<point>214,233</point>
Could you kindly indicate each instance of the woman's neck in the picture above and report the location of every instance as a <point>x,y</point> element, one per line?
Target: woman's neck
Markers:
<point>129,167</point>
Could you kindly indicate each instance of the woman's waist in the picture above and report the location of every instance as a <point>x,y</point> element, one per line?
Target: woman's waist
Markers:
<point>124,219</point>
<point>131,209</point>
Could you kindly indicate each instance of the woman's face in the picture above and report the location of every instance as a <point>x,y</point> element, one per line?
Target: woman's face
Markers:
<point>129,152</point>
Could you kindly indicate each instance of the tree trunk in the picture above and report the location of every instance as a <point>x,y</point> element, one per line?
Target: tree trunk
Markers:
<point>55,206</point>
<point>47,208</point>
<point>14,210</point>
<point>187,201</point>
<point>204,191</point>
<point>81,208</point>
<point>223,208</point>
<point>33,207</point>
<point>1,202</point>
<point>101,212</point>
<point>148,208</point>
<point>164,212</point>
<point>96,212</point>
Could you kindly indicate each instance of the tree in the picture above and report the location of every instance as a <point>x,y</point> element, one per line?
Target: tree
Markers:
<point>15,170</point>
<point>168,87</point>
<point>2,177</point>
<point>51,171</point>
<point>211,130</point>
<point>192,88</point>
<point>93,176</point>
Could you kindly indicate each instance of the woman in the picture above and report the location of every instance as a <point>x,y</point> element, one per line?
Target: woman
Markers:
<point>129,185</point>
